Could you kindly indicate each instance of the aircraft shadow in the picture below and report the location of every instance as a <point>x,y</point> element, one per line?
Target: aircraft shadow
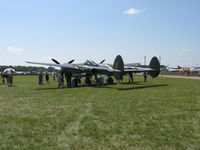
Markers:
<point>107,86</point>
<point>7,85</point>
<point>143,87</point>
<point>52,88</point>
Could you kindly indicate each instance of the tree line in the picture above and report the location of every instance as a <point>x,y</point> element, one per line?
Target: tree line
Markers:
<point>28,68</point>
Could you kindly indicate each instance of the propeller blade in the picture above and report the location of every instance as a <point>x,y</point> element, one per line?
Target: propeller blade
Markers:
<point>102,61</point>
<point>55,61</point>
<point>71,61</point>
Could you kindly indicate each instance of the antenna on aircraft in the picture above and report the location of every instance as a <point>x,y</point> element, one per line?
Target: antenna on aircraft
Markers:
<point>160,59</point>
<point>145,60</point>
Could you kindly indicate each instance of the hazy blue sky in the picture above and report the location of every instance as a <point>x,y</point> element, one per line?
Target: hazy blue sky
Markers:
<point>37,30</point>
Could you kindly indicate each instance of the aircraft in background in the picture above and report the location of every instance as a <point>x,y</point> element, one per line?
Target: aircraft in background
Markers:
<point>183,69</point>
<point>195,69</point>
<point>190,69</point>
<point>172,69</point>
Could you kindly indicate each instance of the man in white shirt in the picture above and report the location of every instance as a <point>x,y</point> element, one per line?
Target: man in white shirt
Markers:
<point>9,74</point>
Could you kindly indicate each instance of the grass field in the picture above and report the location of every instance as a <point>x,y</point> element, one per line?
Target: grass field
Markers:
<point>163,113</point>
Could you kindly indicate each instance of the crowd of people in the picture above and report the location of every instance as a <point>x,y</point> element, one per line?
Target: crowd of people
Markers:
<point>46,74</point>
<point>59,77</point>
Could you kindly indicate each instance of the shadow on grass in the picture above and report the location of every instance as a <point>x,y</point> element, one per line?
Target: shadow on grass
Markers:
<point>5,85</point>
<point>143,87</point>
<point>51,88</point>
<point>80,86</point>
<point>107,86</point>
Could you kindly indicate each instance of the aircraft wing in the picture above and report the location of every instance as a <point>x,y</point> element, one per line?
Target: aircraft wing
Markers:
<point>100,69</point>
<point>70,66</point>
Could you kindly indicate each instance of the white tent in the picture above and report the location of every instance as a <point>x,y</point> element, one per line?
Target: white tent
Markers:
<point>9,71</point>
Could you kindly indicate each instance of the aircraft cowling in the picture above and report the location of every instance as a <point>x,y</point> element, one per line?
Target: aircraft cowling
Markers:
<point>119,65</point>
<point>154,64</point>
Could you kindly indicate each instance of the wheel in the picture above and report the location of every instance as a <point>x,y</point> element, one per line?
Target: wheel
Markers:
<point>110,80</point>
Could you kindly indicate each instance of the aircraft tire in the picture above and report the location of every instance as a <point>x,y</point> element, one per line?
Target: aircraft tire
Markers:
<point>110,80</point>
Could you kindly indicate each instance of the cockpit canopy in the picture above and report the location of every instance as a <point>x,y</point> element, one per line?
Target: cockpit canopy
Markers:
<point>90,63</point>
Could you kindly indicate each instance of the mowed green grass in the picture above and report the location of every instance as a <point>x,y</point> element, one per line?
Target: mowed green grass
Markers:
<point>163,113</point>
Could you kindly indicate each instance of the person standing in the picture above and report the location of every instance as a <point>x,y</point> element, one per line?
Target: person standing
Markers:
<point>60,80</point>
<point>8,72</point>
<point>47,77</point>
<point>3,77</point>
<point>54,76</point>
<point>40,78</point>
<point>130,78</point>
<point>68,76</point>
<point>101,79</point>
<point>145,76</point>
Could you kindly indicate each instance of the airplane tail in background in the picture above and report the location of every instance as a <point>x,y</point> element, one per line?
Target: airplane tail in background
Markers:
<point>179,67</point>
<point>119,65</point>
<point>154,64</point>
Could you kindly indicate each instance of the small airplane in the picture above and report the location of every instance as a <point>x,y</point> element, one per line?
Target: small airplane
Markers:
<point>172,69</point>
<point>189,69</point>
<point>195,69</point>
<point>183,69</point>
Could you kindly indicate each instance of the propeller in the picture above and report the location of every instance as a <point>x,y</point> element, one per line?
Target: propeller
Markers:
<point>55,61</point>
<point>102,61</point>
<point>71,61</point>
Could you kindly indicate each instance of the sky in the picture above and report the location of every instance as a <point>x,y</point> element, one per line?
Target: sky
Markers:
<point>38,30</point>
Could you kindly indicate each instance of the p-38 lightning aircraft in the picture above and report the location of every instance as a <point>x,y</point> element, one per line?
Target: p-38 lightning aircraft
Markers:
<point>87,68</point>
